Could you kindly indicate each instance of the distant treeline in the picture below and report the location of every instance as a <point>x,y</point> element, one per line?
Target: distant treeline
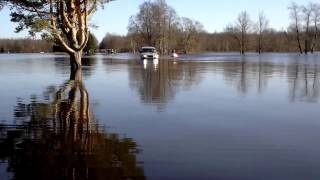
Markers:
<point>157,24</point>
<point>28,45</point>
<point>273,41</point>
<point>25,46</point>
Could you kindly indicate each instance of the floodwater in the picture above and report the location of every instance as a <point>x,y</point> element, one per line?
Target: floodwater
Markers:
<point>209,116</point>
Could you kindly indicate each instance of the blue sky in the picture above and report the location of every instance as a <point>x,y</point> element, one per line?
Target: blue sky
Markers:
<point>213,14</point>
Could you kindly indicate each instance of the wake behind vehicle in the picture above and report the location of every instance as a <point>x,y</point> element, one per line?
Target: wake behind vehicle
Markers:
<point>149,53</point>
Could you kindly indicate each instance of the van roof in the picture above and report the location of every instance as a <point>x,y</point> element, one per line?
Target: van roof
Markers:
<point>148,47</point>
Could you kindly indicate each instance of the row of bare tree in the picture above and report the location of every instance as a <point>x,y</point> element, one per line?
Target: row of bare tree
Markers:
<point>305,23</point>
<point>302,34</point>
<point>157,24</point>
<point>244,27</point>
<point>303,29</point>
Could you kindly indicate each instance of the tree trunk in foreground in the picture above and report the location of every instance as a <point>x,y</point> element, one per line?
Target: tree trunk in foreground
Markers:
<point>76,74</point>
<point>75,60</point>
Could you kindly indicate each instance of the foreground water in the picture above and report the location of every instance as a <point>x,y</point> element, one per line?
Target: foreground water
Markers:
<point>210,116</point>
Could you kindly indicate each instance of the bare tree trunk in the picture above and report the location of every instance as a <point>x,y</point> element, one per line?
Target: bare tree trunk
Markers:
<point>76,74</point>
<point>243,26</point>
<point>75,60</point>
<point>263,24</point>
<point>306,49</point>
<point>298,40</point>
<point>242,43</point>
<point>306,41</point>
<point>308,11</point>
<point>314,43</point>
<point>260,44</point>
<point>295,9</point>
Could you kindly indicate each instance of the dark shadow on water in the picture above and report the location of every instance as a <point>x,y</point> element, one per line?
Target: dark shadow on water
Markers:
<point>58,138</point>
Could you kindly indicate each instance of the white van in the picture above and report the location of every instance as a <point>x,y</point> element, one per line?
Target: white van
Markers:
<point>149,53</point>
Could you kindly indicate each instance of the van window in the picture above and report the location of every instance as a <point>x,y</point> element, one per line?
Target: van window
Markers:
<point>148,50</point>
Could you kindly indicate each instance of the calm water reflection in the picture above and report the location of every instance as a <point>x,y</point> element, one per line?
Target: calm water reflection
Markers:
<point>158,81</point>
<point>211,116</point>
<point>57,137</point>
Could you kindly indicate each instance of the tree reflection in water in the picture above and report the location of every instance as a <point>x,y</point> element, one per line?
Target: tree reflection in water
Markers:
<point>246,75</point>
<point>59,139</point>
<point>158,81</point>
<point>304,82</point>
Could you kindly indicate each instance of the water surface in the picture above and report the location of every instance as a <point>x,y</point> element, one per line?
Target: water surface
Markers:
<point>209,116</point>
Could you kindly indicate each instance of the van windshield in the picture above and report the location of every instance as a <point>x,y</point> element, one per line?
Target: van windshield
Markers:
<point>148,50</point>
